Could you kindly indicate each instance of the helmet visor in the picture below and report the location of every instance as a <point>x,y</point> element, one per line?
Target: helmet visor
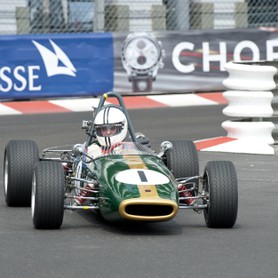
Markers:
<point>108,130</point>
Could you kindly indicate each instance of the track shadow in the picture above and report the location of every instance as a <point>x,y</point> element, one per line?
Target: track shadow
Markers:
<point>132,228</point>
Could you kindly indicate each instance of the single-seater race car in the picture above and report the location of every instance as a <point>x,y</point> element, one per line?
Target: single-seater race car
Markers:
<point>127,182</point>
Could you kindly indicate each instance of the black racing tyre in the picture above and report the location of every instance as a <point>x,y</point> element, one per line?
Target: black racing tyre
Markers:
<point>48,190</point>
<point>182,159</point>
<point>220,181</point>
<point>19,160</point>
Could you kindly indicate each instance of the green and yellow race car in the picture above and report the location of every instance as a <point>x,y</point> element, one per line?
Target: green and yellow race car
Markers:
<point>126,181</point>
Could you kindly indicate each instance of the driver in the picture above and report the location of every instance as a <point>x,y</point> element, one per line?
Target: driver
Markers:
<point>111,129</point>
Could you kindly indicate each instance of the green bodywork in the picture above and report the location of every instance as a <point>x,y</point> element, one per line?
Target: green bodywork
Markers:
<point>113,192</point>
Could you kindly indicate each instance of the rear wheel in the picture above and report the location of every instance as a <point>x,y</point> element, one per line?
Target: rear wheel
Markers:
<point>220,181</point>
<point>19,160</point>
<point>182,159</point>
<point>48,195</point>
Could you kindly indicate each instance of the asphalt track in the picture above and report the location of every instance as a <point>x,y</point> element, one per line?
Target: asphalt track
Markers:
<point>87,246</point>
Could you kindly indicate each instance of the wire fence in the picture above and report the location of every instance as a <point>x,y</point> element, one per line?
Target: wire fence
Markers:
<point>68,16</point>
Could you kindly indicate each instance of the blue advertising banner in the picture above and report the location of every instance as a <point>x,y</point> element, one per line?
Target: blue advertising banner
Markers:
<point>41,66</point>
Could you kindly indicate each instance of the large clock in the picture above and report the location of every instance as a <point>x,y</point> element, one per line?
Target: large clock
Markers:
<point>142,56</point>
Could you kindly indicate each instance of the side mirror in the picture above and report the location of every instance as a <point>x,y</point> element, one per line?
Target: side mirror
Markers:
<point>164,146</point>
<point>78,149</point>
<point>86,124</point>
<point>142,139</point>
<point>139,135</point>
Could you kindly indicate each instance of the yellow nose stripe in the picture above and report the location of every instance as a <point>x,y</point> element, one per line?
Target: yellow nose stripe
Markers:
<point>146,191</point>
<point>135,162</point>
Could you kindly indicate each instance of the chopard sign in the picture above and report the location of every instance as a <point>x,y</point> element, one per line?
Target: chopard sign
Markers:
<point>220,56</point>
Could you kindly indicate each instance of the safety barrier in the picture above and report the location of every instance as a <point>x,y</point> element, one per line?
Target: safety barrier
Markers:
<point>73,65</point>
<point>55,65</point>
<point>274,103</point>
<point>250,100</point>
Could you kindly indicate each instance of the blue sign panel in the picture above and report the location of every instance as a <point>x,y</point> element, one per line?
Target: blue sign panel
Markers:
<point>41,66</point>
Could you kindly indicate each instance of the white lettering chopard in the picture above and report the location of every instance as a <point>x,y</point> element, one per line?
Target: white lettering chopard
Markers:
<point>220,57</point>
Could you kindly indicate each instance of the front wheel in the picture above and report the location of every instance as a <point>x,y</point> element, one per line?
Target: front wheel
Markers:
<point>220,182</point>
<point>48,195</point>
<point>182,159</point>
<point>19,160</point>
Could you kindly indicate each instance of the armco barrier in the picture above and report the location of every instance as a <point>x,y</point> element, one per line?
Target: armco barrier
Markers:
<point>65,65</point>
<point>250,99</point>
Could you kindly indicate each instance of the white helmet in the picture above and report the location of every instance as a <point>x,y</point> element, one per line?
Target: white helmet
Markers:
<point>110,125</point>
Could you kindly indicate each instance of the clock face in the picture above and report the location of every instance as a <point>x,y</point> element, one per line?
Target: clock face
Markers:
<point>141,54</point>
